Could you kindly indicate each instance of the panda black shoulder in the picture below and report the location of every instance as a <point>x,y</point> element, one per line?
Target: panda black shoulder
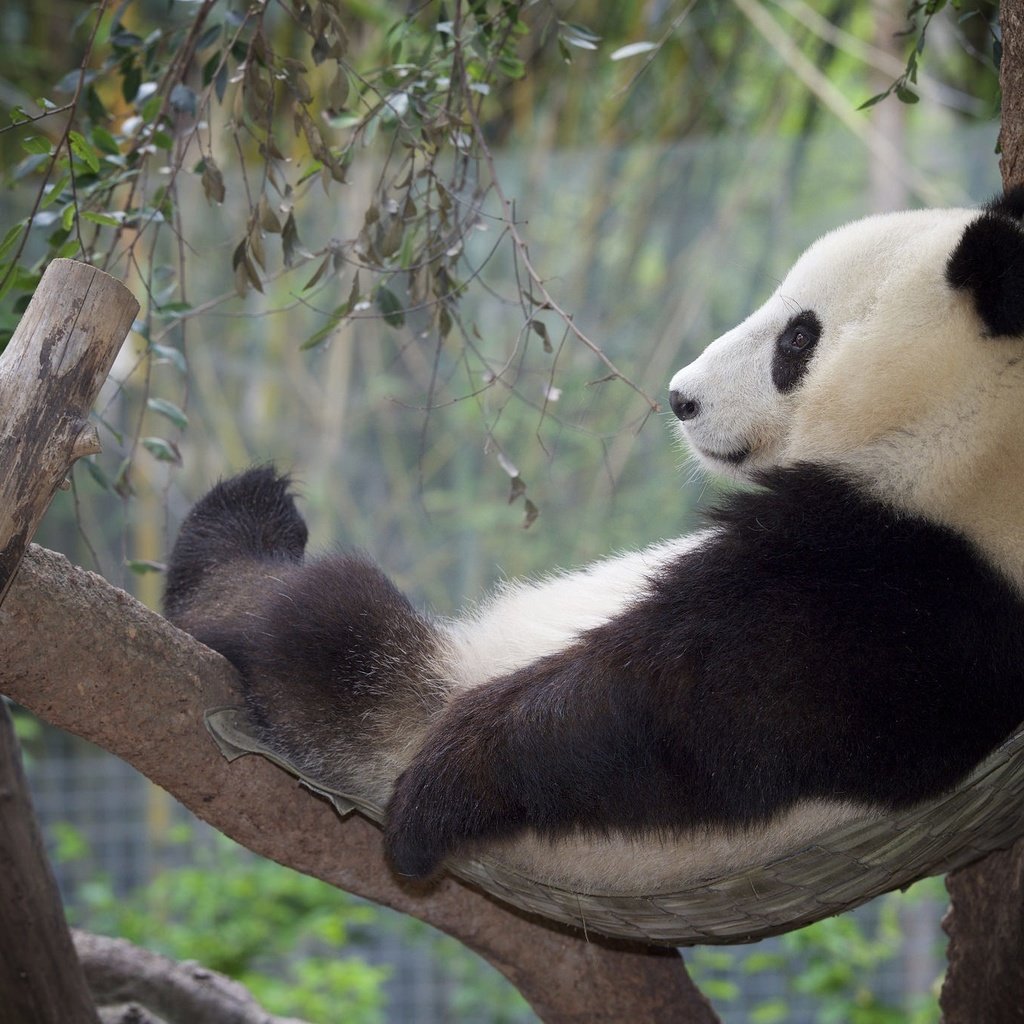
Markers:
<point>833,616</point>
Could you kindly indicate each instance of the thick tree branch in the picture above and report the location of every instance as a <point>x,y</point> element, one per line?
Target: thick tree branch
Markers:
<point>90,659</point>
<point>1011,82</point>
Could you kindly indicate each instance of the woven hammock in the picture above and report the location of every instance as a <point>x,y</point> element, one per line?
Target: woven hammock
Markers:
<point>842,868</point>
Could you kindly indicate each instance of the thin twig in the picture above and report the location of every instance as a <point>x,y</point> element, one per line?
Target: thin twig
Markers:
<point>522,249</point>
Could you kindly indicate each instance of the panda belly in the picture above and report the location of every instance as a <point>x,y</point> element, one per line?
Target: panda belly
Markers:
<point>618,863</point>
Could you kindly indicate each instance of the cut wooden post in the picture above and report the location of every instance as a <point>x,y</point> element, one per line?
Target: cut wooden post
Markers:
<point>50,374</point>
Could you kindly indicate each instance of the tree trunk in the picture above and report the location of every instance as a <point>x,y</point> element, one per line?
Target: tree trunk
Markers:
<point>41,981</point>
<point>985,921</point>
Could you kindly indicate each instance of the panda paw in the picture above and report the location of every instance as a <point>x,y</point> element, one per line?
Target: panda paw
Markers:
<point>453,796</point>
<point>430,817</point>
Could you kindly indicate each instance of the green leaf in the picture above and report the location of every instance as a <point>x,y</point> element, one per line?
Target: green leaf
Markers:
<point>162,450</point>
<point>511,66</point>
<point>319,273</point>
<point>540,329</point>
<point>101,218</point>
<point>166,354</point>
<point>55,192</point>
<point>874,99</point>
<point>906,95</point>
<point>10,238</point>
<point>183,100</point>
<point>105,142</point>
<point>151,107</point>
<point>213,181</point>
<point>82,148</point>
<point>141,567</point>
<point>632,50</point>
<point>96,473</point>
<point>164,408</point>
<point>389,304</point>
<point>530,514</point>
<point>774,1012</point>
<point>130,82</point>
<point>39,145</point>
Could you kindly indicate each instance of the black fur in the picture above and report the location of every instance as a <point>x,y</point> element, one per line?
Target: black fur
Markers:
<point>988,261</point>
<point>329,644</point>
<point>820,646</point>
<point>252,515</point>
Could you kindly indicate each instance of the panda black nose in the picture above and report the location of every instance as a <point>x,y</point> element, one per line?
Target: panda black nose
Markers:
<point>685,408</point>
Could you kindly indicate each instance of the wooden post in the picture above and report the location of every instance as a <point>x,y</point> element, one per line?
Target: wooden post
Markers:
<point>50,374</point>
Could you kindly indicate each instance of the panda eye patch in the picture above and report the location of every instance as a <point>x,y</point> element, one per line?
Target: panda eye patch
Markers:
<point>793,350</point>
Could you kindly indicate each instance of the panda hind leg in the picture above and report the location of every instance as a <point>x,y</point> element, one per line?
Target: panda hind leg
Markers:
<point>338,669</point>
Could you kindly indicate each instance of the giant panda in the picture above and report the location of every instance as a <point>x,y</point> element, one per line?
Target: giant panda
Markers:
<point>844,636</point>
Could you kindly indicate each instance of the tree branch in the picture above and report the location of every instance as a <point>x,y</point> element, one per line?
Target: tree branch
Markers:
<point>119,972</point>
<point>90,659</point>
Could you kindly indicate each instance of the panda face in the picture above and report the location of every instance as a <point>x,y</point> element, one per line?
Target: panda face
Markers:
<point>746,403</point>
<point>883,355</point>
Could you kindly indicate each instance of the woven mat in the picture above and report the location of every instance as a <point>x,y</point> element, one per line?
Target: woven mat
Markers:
<point>839,870</point>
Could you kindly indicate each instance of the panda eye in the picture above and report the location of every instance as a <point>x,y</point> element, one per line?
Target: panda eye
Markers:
<point>798,337</point>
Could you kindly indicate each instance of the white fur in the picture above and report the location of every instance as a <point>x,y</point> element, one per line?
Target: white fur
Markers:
<point>525,621</point>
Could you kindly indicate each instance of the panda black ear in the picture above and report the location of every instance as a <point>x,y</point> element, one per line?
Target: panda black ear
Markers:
<point>988,261</point>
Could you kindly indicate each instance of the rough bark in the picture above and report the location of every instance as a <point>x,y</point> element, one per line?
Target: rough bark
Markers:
<point>121,974</point>
<point>985,920</point>
<point>985,924</point>
<point>90,659</point>
<point>40,979</point>
<point>1011,81</point>
<point>50,373</point>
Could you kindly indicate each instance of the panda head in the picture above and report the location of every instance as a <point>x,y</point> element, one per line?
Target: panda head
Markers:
<point>893,350</point>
